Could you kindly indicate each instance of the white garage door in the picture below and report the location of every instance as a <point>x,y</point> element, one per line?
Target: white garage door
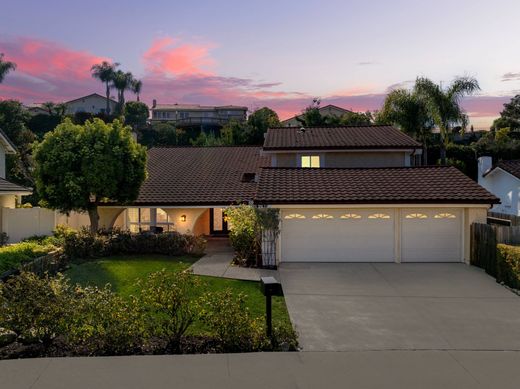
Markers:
<point>431,235</point>
<point>338,235</point>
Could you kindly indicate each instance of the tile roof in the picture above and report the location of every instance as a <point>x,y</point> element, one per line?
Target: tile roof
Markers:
<point>200,175</point>
<point>436,184</point>
<point>6,186</point>
<point>196,107</point>
<point>511,166</point>
<point>347,137</point>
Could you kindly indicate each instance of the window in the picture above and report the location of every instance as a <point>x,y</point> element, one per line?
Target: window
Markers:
<point>323,216</point>
<point>350,216</point>
<point>445,215</point>
<point>294,216</point>
<point>310,161</point>
<point>379,216</point>
<point>142,219</point>
<point>416,216</point>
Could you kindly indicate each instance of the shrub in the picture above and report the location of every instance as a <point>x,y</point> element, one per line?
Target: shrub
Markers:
<point>13,256</point>
<point>170,305</point>
<point>35,308</point>
<point>244,234</point>
<point>102,323</point>
<point>508,265</point>
<point>227,316</point>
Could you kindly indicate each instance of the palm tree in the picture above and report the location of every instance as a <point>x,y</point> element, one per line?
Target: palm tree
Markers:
<point>104,72</point>
<point>406,110</point>
<point>122,81</point>
<point>5,67</point>
<point>443,104</point>
<point>137,85</point>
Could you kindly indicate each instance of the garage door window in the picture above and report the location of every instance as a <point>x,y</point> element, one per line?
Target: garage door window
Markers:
<point>294,216</point>
<point>445,215</point>
<point>379,216</point>
<point>350,216</point>
<point>416,216</point>
<point>322,216</point>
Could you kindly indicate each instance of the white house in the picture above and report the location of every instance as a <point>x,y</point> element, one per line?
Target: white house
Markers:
<point>327,111</point>
<point>93,103</point>
<point>503,180</point>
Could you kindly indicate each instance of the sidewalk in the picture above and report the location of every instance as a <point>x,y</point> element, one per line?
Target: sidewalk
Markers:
<point>362,369</point>
<point>217,263</point>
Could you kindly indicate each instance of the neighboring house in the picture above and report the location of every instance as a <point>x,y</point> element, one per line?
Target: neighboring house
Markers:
<point>503,180</point>
<point>388,212</point>
<point>350,146</point>
<point>186,115</point>
<point>93,103</point>
<point>327,111</point>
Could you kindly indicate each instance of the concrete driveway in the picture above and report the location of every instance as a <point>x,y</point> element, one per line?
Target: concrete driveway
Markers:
<point>363,306</point>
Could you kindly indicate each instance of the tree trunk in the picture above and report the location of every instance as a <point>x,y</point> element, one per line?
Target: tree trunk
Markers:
<point>425,155</point>
<point>108,99</point>
<point>94,219</point>
<point>443,153</point>
<point>138,97</point>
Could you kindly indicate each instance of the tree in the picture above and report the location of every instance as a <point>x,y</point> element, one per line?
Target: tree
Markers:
<point>406,110</point>
<point>258,123</point>
<point>79,167</point>
<point>13,119</point>
<point>136,114</point>
<point>510,116</point>
<point>5,67</point>
<point>105,72</point>
<point>353,119</point>
<point>443,104</point>
<point>233,133</point>
<point>122,81</point>
<point>137,85</point>
<point>311,115</point>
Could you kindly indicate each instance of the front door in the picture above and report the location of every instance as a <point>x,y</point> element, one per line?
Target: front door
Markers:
<point>217,222</point>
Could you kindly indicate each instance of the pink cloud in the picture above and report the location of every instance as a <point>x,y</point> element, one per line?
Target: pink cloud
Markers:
<point>168,56</point>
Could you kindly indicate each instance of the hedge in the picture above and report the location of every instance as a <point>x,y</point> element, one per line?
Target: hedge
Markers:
<point>508,265</point>
<point>13,256</point>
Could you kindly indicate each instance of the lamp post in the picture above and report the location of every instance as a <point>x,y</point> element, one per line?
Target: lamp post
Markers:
<point>269,287</point>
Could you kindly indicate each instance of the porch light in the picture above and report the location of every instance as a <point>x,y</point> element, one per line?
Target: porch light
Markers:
<point>183,218</point>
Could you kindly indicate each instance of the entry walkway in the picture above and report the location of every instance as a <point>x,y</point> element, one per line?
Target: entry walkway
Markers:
<point>217,263</point>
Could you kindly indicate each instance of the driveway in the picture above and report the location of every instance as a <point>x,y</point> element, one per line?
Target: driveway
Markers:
<point>364,306</point>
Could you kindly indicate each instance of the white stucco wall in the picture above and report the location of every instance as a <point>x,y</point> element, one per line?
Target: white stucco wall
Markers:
<point>506,187</point>
<point>91,104</point>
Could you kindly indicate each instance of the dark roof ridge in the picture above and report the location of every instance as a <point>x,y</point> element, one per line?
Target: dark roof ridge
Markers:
<point>362,168</point>
<point>333,126</point>
<point>205,147</point>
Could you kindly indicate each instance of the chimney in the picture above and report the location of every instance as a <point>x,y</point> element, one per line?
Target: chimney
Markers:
<point>485,163</point>
<point>154,103</point>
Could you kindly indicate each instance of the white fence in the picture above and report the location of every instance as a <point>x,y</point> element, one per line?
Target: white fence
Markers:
<point>20,223</point>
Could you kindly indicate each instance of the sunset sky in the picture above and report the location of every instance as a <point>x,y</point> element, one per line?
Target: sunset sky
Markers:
<point>256,53</point>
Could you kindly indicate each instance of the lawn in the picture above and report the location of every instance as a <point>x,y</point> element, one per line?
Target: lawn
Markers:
<point>121,272</point>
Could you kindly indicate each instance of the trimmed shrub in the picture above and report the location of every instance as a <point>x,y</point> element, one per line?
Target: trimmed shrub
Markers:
<point>11,257</point>
<point>228,318</point>
<point>508,265</point>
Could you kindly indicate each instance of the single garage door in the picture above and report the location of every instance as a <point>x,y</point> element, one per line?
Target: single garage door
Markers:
<point>431,235</point>
<point>339,235</point>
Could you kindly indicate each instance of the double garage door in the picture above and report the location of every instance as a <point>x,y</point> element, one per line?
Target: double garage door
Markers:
<point>371,235</point>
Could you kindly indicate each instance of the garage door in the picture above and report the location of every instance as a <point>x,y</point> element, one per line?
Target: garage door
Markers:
<point>338,235</point>
<point>431,235</point>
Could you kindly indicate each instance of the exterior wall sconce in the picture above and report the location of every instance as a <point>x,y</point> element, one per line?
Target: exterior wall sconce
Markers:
<point>183,218</point>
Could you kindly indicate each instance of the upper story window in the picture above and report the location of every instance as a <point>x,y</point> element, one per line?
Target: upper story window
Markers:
<point>310,161</point>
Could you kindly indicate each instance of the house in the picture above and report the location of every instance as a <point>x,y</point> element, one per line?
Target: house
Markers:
<point>93,103</point>
<point>503,180</point>
<point>327,110</point>
<point>348,194</point>
<point>186,115</point>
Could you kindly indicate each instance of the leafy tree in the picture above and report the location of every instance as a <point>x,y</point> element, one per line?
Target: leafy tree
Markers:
<point>233,133</point>
<point>408,111</point>
<point>353,119</point>
<point>40,124</point>
<point>258,123</point>
<point>137,85</point>
<point>443,104</point>
<point>122,81</point>
<point>510,116</point>
<point>105,72</point>
<point>206,139</point>
<point>5,67</point>
<point>79,167</point>
<point>311,115</point>
<point>136,113</point>
<point>13,119</point>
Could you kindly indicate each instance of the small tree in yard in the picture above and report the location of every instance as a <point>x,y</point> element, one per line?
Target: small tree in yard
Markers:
<point>79,167</point>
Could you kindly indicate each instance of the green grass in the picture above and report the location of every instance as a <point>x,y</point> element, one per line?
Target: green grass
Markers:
<point>121,272</point>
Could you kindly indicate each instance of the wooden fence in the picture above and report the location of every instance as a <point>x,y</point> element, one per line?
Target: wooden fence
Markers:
<point>499,218</point>
<point>484,240</point>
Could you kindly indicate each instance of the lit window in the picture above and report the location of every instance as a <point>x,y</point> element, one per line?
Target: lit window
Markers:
<point>294,216</point>
<point>139,219</point>
<point>323,216</point>
<point>310,161</point>
<point>350,216</point>
<point>379,216</point>
<point>416,216</point>
<point>445,215</point>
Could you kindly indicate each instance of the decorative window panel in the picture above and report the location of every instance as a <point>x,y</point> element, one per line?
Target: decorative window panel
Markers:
<point>379,216</point>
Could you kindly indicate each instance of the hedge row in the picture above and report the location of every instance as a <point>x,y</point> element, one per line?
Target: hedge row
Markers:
<point>14,255</point>
<point>508,265</point>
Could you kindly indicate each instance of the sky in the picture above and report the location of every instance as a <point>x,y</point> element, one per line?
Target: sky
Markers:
<point>279,54</point>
